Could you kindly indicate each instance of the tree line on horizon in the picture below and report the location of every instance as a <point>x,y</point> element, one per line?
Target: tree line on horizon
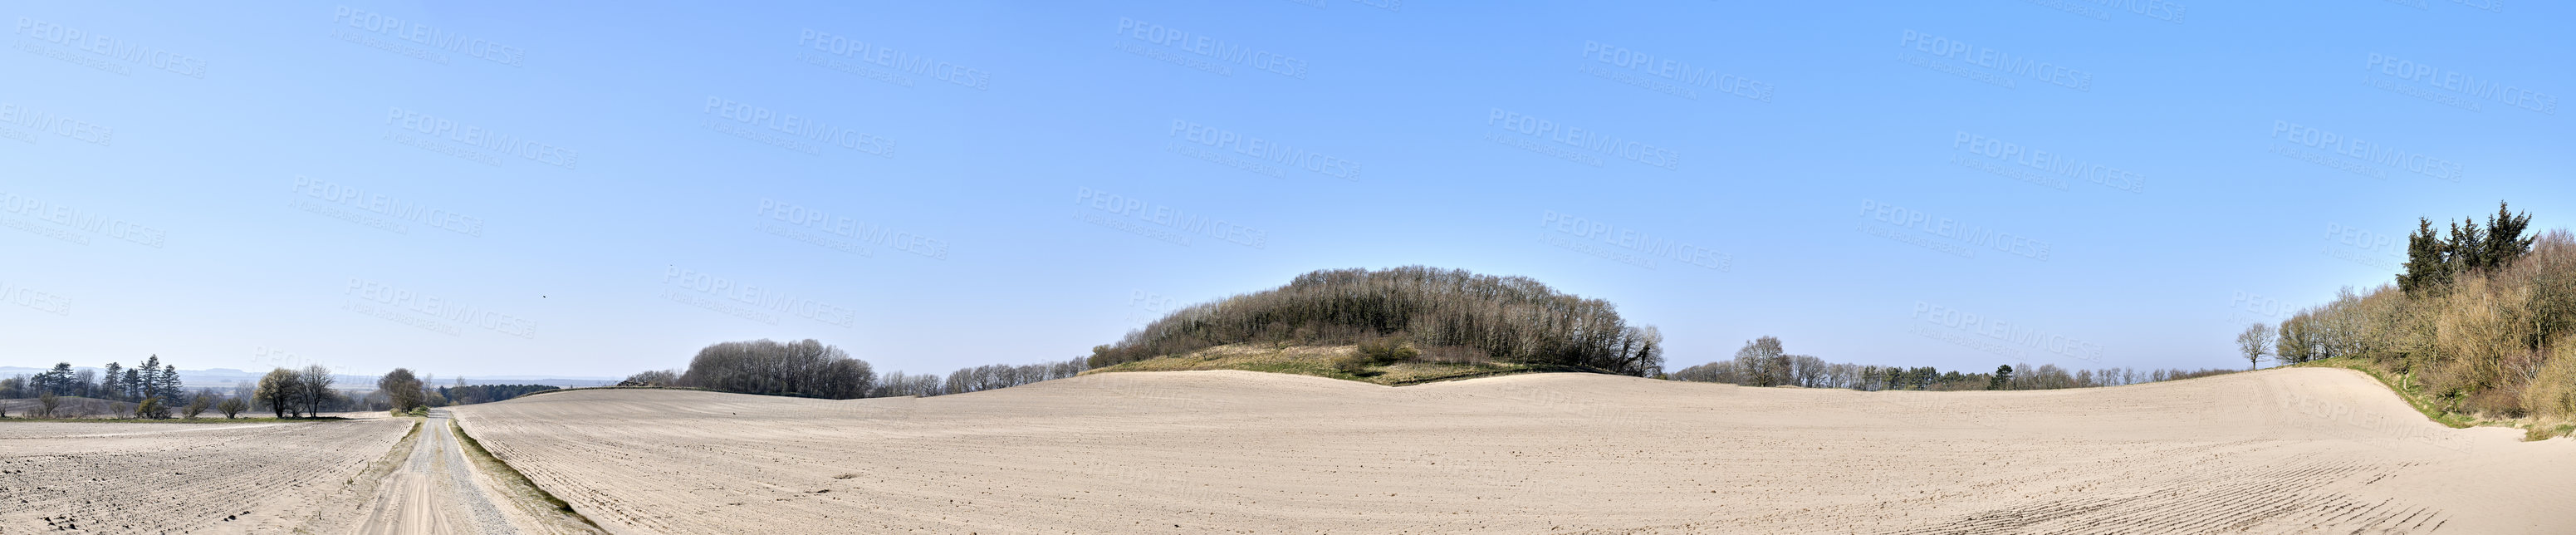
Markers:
<point>402,392</point>
<point>2480,316</point>
<point>1759,363</point>
<point>1763,362</point>
<point>810,368</point>
<point>149,390</point>
<point>152,390</point>
<point>1430,314</point>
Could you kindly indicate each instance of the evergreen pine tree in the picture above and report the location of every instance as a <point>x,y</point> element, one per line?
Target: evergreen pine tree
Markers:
<point>2427,260</point>
<point>111,384</point>
<point>133,384</point>
<point>2504,239</point>
<point>2467,249</point>
<point>149,384</point>
<point>57,381</point>
<point>171,390</point>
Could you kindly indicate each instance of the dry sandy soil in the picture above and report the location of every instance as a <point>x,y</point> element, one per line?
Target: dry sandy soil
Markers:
<point>180,478</point>
<point>352,477</point>
<point>2280,451</point>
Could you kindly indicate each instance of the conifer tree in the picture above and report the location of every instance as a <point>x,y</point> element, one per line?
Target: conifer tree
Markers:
<point>111,383</point>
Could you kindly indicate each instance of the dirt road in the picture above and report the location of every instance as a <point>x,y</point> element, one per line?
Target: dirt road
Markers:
<point>434,491</point>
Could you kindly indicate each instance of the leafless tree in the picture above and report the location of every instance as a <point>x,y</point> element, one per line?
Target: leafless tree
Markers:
<point>1762,362</point>
<point>2255,342</point>
<point>315,389</point>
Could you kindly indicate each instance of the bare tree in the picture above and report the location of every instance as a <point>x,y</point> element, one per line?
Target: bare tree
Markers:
<point>2255,342</point>
<point>1762,363</point>
<point>314,389</point>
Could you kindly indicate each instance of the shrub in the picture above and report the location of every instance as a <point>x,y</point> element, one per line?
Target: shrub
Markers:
<point>1385,351</point>
<point>1354,363</point>
<point>198,406</point>
<point>46,403</point>
<point>2552,393</point>
<point>402,389</point>
<point>652,378</point>
<point>150,408</point>
<point>232,407</point>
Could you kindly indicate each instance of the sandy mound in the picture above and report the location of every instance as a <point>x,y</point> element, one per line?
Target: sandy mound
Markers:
<point>1189,452</point>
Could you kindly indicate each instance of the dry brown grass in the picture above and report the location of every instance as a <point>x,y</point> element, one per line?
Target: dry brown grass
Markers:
<point>2552,392</point>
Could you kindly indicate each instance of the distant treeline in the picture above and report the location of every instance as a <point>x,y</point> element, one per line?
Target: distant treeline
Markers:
<point>809,368</point>
<point>1448,313</point>
<point>2481,317</point>
<point>148,390</point>
<point>975,379</point>
<point>467,395</point>
<point>1762,362</point>
<point>114,382</point>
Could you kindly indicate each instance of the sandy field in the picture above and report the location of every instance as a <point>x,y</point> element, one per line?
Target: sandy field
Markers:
<point>181,478</point>
<point>370,476</point>
<point>2277,451</point>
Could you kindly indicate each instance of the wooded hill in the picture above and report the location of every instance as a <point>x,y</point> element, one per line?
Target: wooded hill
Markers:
<point>1450,315</point>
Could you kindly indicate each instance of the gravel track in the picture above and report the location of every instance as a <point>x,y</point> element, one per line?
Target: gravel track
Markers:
<point>434,491</point>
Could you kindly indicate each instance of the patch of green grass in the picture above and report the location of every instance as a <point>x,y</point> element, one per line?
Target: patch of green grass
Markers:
<point>1318,361</point>
<point>2405,387</point>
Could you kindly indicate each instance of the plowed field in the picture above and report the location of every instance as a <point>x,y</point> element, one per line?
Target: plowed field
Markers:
<point>2279,451</point>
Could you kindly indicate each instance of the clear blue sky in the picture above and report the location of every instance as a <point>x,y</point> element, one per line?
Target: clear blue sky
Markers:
<point>489,188</point>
